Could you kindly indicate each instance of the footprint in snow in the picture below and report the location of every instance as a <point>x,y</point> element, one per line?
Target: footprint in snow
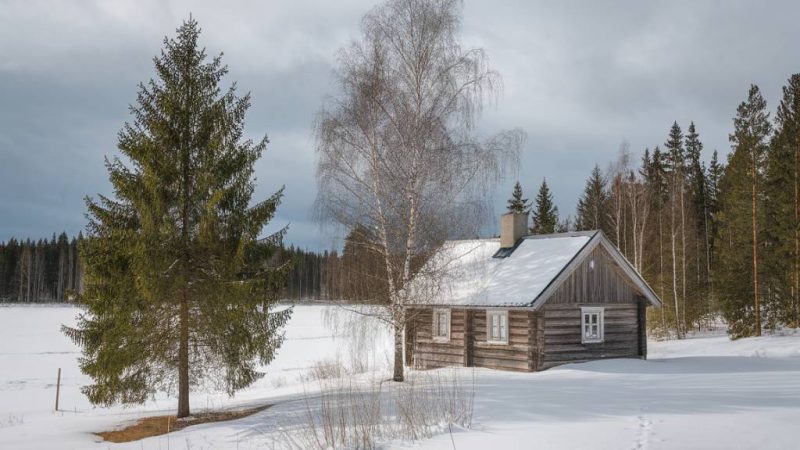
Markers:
<point>643,433</point>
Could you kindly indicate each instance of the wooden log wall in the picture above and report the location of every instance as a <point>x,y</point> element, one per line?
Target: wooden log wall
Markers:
<point>517,354</point>
<point>426,353</point>
<point>523,352</point>
<point>562,334</point>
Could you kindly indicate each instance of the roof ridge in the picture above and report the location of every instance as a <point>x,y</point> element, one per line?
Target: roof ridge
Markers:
<point>588,233</point>
<point>474,239</point>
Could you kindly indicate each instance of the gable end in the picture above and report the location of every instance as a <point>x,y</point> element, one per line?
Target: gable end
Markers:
<point>598,273</point>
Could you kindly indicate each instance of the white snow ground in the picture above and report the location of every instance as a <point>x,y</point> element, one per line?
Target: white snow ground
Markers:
<point>701,393</point>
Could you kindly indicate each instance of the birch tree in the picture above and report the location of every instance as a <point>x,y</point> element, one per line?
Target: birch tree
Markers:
<point>639,207</point>
<point>617,173</point>
<point>397,146</point>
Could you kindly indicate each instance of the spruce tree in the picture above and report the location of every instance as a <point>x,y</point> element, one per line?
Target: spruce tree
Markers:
<point>696,177</point>
<point>782,261</point>
<point>715,173</point>
<point>695,173</point>
<point>545,213</point>
<point>656,178</point>
<point>741,219</point>
<point>592,211</point>
<point>176,289</point>
<point>517,204</point>
<point>675,165</point>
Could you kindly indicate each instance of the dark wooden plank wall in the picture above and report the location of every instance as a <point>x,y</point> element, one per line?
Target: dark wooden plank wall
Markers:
<point>642,305</point>
<point>469,338</point>
<point>603,284</point>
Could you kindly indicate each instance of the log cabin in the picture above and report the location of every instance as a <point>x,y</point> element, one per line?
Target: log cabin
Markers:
<point>527,303</point>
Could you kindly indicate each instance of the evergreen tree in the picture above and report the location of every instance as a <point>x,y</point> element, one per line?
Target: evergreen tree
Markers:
<point>176,285</point>
<point>675,155</point>
<point>741,218</point>
<point>592,211</point>
<point>545,213</point>
<point>696,177</point>
<point>782,261</point>
<point>675,165</point>
<point>655,175</point>
<point>516,203</point>
<point>715,173</point>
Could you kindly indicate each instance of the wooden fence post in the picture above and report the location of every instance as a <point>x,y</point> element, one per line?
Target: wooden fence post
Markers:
<point>58,387</point>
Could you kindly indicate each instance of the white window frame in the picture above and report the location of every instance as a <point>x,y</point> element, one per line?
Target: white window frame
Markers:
<point>590,311</point>
<point>435,330</point>
<point>503,315</point>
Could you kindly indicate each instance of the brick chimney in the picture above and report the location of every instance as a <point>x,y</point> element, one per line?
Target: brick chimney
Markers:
<point>512,227</point>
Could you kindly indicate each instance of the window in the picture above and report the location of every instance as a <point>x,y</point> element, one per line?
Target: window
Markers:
<point>441,325</point>
<point>592,324</point>
<point>497,327</point>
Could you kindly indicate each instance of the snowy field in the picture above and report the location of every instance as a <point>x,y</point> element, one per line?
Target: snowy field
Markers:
<point>701,393</point>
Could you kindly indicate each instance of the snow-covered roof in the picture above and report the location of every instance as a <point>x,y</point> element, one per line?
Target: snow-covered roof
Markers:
<point>466,273</point>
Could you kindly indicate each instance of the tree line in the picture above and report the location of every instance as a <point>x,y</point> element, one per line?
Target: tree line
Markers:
<point>40,271</point>
<point>44,271</point>
<point>713,239</point>
<point>720,239</point>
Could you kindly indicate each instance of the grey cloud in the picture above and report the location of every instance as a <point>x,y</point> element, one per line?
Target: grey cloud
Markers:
<point>579,77</point>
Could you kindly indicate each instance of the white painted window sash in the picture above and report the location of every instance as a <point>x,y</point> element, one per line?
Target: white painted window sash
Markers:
<point>496,326</point>
<point>592,325</point>
<point>441,325</point>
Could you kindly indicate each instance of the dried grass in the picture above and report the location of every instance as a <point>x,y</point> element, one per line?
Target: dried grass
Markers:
<point>160,425</point>
<point>362,415</point>
<point>326,370</point>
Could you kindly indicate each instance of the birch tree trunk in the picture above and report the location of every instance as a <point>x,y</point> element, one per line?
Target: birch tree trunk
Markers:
<point>661,264</point>
<point>683,253</point>
<point>673,235</point>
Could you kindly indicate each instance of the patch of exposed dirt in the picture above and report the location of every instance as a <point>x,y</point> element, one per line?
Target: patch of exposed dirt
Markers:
<point>159,425</point>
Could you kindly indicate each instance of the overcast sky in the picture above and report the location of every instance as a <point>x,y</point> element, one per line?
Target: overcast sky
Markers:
<point>579,77</point>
